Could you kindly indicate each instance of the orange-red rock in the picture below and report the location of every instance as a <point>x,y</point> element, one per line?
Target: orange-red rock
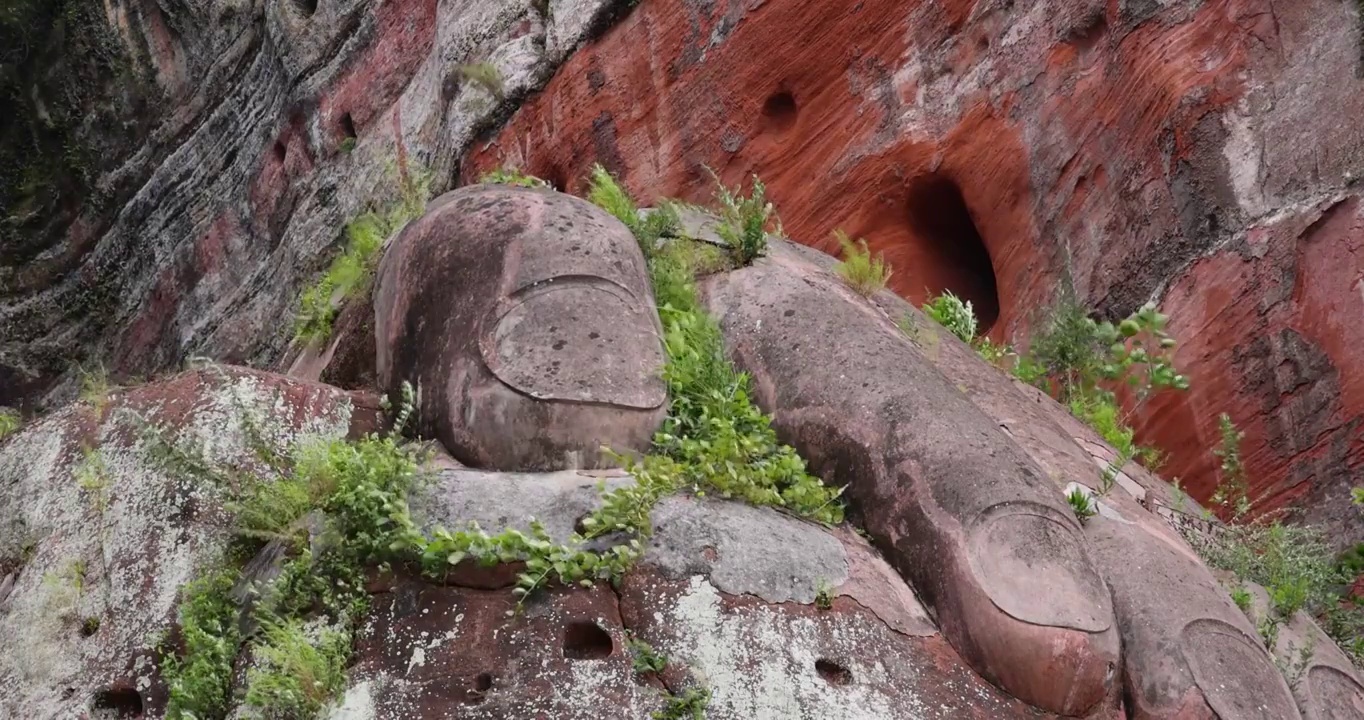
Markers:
<point>1002,151</point>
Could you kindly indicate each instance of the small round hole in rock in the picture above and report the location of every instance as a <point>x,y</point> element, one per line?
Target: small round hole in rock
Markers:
<point>89,626</point>
<point>833,673</point>
<point>348,126</point>
<point>779,111</point>
<point>118,702</point>
<point>281,150</point>
<point>587,641</point>
<point>306,7</point>
<point>484,682</point>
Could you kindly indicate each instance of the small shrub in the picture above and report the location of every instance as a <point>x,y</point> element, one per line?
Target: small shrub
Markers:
<point>10,421</point>
<point>486,76</point>
<point>1232,492</point>
<point>351,273</point>
<point>745,221</point>
<point>95,386</point>
<point>297,670</point>
<point>200,681</point>
<point>863,273</point>
<point>512,176</point>
<point>690,705</point>
<point>646,660</point>
<point>1241,596</point>
<point>949,311</point>
<point>991,352</point>
<point>1292,563</point>
<point>606,193</point>
<point>1081,504</point>
<point>824,595</point>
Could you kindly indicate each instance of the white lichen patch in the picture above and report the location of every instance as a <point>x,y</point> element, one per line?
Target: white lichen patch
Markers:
<point>760,663</point>
<point>109,554</point>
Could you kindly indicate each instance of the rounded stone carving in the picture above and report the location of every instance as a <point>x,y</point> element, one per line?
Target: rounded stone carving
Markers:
<point>1031,566</point>
<point>526,320</point>
<point>1234,673</point>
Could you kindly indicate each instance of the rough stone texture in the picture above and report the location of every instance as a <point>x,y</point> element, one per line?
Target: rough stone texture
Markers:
<point>159,527</point>
<point>1325,683</point>
<point>200,240</point>
<point>960,509</point>
<point>526,321</point>
<point>1204,154</point>
<point>726,591</point>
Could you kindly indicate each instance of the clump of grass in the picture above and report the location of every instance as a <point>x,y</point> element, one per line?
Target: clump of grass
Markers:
<point>95,386</point>
<point>1081,504</point>
<point>486,76</point>
<point>952,313</point>
<point>1241,596</point>
<point>745,221</point>
<point>690,705</point>
<point>645,658</point>
<point>863,273</point>
<point>507,175</point>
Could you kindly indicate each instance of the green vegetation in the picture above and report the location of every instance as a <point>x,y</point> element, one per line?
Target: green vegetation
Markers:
<point>351,273</point>
<point>1082,504</point>
<point>92,476</point>
<point>347,145</point>
<point>1232,493</point>
<point>486,76</point>
<point>745,221</point>
<point>824,595</point>
<point>863,273</point>
<point>990,352</point>
<point>10,422</point>
<point>95,387</point>
<point>949,311</point>
<point>297,671</point>
<point>646,660</point>
<point>690,705</point>
<point>507,175</point>
<point>607,194</point>
<point>1241,596</point>
<point>200,680</point>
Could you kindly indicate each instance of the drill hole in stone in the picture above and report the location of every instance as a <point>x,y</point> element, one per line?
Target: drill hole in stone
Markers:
<point>118,702</point>
<point>587,641</point>
<point>833,673</point>
<point>306,8</point>
<point>953,253</point>
<point>779,111</point>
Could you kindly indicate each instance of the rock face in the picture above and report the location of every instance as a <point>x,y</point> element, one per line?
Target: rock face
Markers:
<point>1211,166</point>
<point>960,475</point>
<point>526,321</point>
<point>98,534</point>
<point>727,592</point>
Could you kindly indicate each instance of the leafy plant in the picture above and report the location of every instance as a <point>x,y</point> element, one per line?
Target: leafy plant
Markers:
<point>606,193</point>
<point>824,595</point>
<point>1241,596</point>
<point>350,274</point>
<point>745,221</point>
<point>1232,492</point>
<point>991,352</point>
<point>298,669</point>
<point>512,176</point>
<point>952,313</point>
<point>486,76</point>
<point>863,273</point>
<point>1292,563</point>
<point>199,679</point>
<point>1081,504</point>
<point>10,421</point>
<point>690,705</point>
<point>347,145</point>
<point>646,660</point>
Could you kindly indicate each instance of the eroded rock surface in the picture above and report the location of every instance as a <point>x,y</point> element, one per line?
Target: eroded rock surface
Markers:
<point>1205,155</point>
<point>526,320</point>
<point>98,532</point>
<point>962,511</point>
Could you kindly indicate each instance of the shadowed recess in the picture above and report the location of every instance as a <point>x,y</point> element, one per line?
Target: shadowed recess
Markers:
<point>952,248</point>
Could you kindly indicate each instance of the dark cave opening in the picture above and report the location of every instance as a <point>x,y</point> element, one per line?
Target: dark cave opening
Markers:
<point>955,254</point>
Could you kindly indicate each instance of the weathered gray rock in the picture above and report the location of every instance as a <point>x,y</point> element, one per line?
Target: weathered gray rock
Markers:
<point>725,591</point>
<point>99,546</point>
<point>960,509</point>
<point>526,320</point>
